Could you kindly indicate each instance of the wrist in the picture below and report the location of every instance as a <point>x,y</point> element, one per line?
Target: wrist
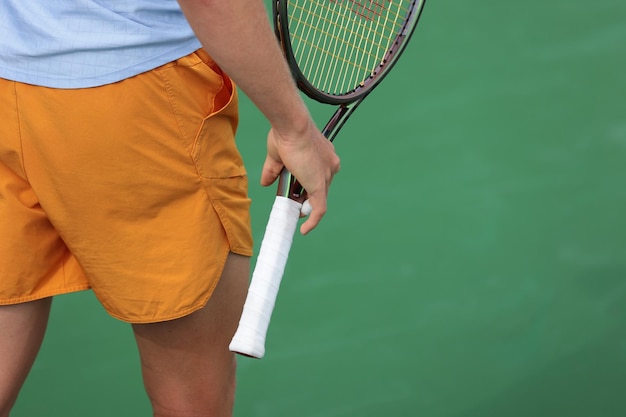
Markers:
<point>294,126</point>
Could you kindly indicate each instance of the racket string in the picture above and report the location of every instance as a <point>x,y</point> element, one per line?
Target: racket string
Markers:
<point>340,43</point>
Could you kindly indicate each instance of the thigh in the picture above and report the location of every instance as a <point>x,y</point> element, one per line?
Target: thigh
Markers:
<point>22,327</point>
<point>187,367</point>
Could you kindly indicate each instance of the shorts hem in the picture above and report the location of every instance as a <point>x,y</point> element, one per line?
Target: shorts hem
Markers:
<point>181,312</point>
<point>40,296</point>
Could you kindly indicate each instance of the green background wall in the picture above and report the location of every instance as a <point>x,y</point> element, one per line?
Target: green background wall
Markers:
<point>473,259</point>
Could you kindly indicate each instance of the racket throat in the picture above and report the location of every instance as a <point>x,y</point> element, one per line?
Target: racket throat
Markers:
<point>336,122</point>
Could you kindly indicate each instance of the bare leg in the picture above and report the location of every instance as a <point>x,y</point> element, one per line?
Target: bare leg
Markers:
<point>22,328</point>
<point>187,368</point>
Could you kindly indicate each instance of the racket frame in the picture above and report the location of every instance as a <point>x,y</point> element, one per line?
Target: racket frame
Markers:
<point>281,26</point>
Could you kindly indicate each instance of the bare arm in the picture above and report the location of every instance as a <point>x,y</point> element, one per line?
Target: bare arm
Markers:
<point>237,34</point>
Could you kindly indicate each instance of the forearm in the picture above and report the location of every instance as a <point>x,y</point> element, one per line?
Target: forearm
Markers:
<point>237,34</point>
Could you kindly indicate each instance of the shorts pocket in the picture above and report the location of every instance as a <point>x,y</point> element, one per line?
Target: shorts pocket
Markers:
<point>214,151</point>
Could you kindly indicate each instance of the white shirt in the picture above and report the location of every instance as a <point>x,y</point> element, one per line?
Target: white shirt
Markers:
<point>86,43</point>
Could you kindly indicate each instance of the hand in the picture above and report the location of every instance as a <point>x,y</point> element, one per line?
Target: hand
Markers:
<point>311,158</point>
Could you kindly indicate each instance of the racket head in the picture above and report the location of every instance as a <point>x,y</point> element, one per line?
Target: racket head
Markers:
<point>339,50</point>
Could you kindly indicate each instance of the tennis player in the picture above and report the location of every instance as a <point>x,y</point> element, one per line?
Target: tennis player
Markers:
<point>119,173</point>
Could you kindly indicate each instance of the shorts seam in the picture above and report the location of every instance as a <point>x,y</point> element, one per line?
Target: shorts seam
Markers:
<point>19,132</point>
<point>225,221</point>
<point>174,109</point>
<point>168,89</point>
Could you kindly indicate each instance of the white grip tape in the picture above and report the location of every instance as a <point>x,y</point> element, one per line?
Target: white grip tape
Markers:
<point>249,339</point>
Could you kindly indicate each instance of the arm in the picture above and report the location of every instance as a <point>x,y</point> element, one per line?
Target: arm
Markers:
<point>237,34</point>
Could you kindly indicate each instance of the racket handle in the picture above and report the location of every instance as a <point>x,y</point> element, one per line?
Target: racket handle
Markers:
<point>249,339</point>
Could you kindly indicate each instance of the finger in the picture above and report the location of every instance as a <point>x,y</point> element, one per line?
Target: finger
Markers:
<point>318,211</point>
<point>271,171</point>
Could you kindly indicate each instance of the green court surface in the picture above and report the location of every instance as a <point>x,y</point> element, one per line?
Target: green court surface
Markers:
<point>473,259</point>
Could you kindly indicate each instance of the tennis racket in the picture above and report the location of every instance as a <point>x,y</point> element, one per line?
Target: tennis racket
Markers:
<point>338,52</point>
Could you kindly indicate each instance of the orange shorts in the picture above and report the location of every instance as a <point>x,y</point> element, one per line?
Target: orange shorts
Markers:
<point>134,189</point>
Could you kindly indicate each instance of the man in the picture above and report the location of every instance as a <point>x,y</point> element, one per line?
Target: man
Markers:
<point>118,172</point>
